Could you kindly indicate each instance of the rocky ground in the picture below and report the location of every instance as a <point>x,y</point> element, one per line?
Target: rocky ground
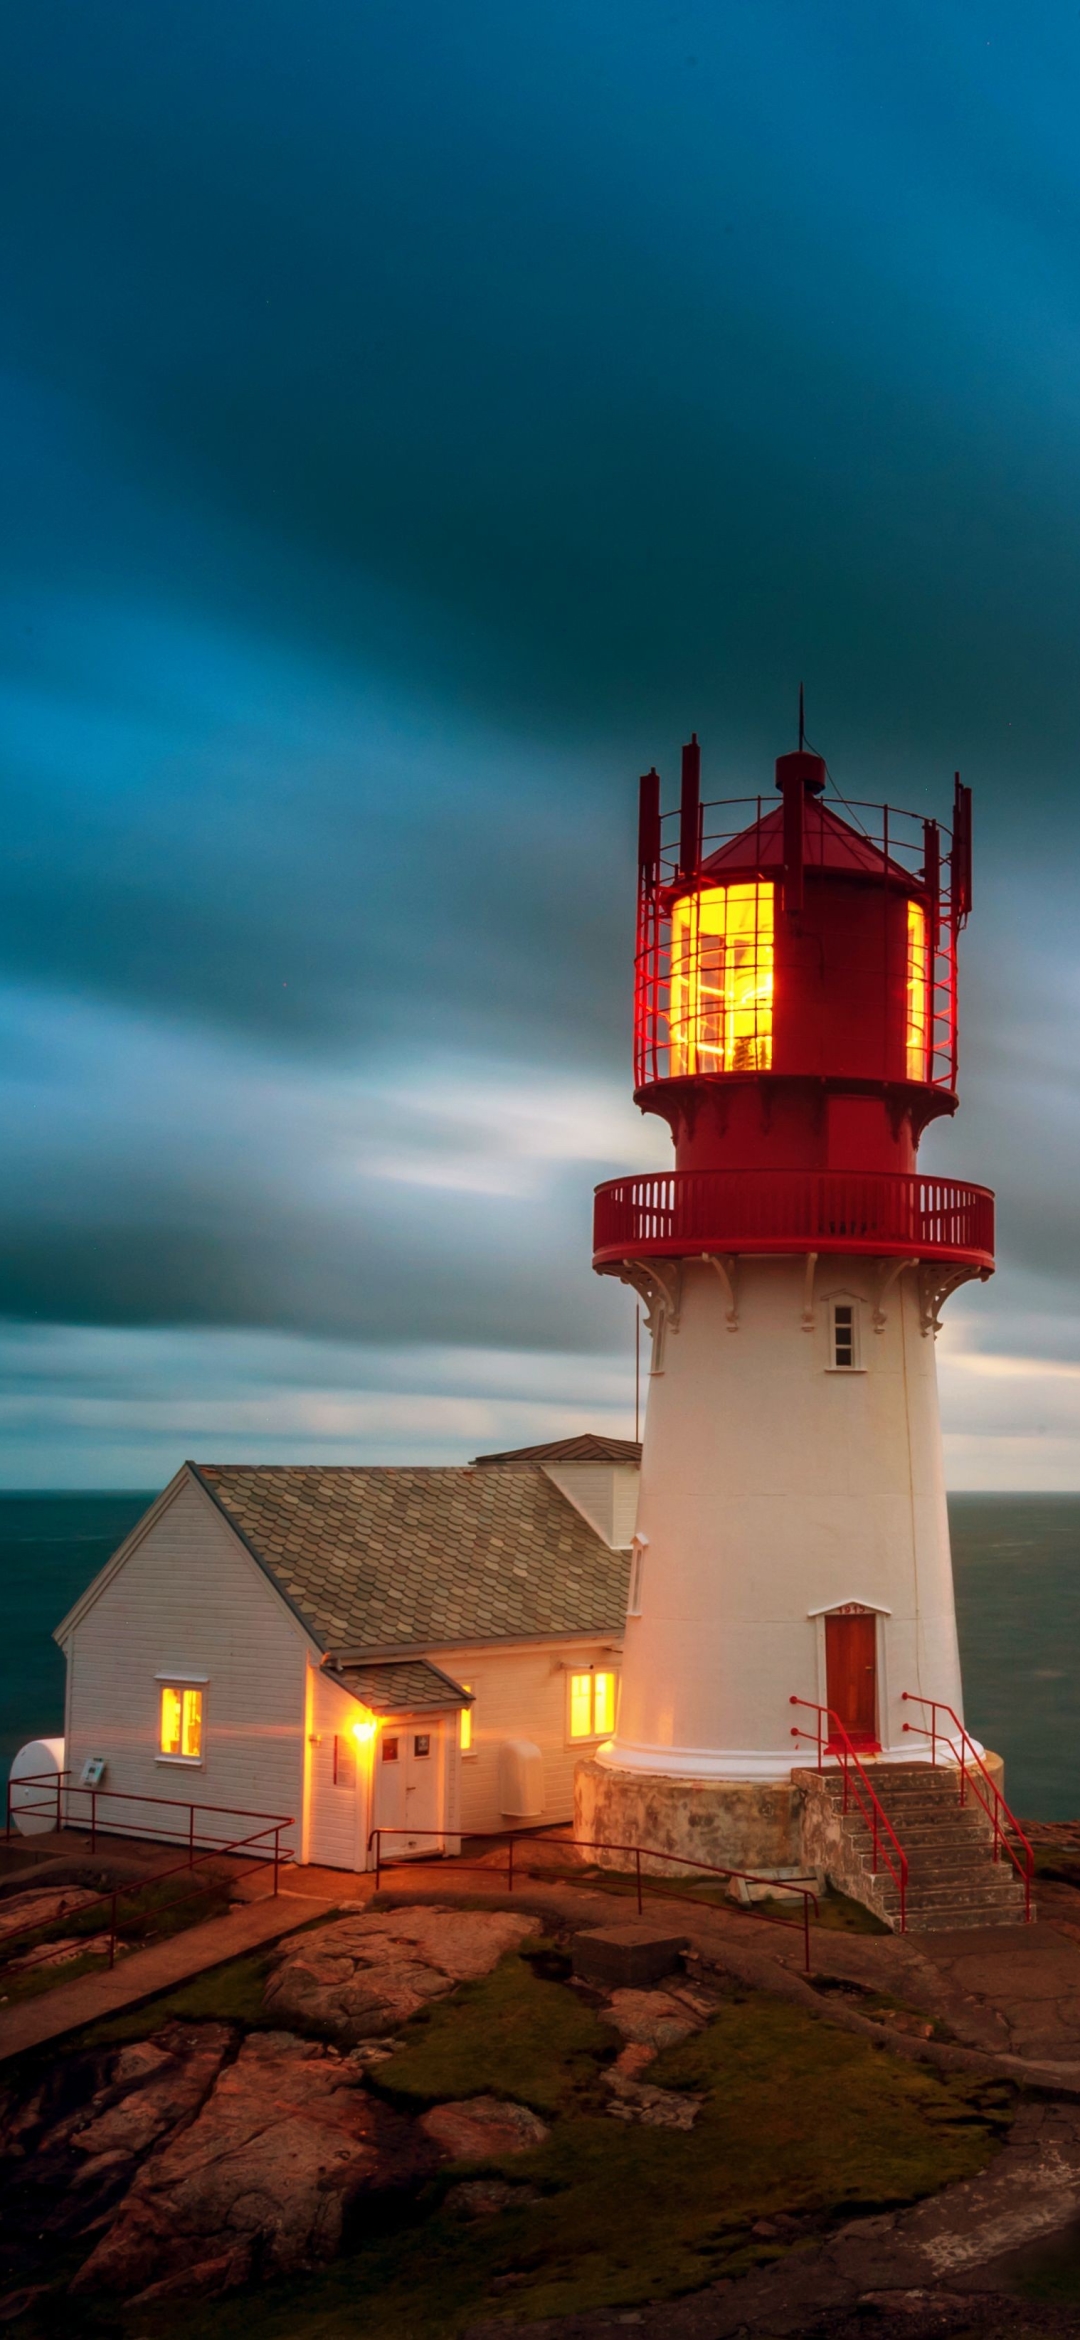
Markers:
<point>337,2106</point>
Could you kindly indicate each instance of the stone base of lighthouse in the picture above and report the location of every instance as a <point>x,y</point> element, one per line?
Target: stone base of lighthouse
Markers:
<point>728,1823</point>
<point>765,1828</point>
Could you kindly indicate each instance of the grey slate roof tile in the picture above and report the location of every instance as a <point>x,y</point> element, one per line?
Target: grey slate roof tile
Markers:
<point>384,1557</point>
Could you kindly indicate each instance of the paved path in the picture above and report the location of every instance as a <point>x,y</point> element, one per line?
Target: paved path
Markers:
<point>143,1973</point>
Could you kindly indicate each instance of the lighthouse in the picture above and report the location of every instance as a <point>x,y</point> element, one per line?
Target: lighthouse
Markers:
<point>796,1027</point>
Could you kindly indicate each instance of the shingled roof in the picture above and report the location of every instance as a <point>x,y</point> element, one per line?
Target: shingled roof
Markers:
<point>386,1560</point>
<point>407,1688</point>
<point>586,1448</point>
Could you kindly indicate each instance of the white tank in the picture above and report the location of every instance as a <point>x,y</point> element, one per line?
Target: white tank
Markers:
<point>34,1773</point>
<point>521,1780</point>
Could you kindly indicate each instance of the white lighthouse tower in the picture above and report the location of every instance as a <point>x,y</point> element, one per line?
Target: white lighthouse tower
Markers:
<point>796,1027</point>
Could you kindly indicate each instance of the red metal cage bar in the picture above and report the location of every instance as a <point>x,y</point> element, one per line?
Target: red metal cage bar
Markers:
<point>675,1213</point>
<point>925,852</point>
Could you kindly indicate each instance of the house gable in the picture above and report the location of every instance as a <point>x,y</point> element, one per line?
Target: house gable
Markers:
<point>187,1477</point>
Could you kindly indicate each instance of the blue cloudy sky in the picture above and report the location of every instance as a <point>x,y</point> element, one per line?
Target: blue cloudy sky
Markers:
<point>416,415</point>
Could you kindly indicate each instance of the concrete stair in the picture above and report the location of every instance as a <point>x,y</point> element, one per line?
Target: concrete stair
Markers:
<point>953,1879</point>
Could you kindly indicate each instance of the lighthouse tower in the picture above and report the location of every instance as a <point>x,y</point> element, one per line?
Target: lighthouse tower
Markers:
<point>796,1028</point>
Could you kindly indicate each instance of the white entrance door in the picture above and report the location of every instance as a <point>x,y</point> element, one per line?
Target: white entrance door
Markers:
<point>408,1790</point>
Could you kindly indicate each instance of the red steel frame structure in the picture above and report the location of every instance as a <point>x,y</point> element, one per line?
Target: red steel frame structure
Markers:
<point>915,855</point>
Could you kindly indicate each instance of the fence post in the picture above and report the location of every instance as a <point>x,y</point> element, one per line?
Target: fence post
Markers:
<point>112,1934</point>
<point>7,1826</point>
<point>806,1929</point>
<point>58,1819</point>
<point>277,1858</point>
<point>510,1867</point>
<point>637,1859</point>
<point>191,1836</point>
<point>378,1857</point>
<point>93,1819</point>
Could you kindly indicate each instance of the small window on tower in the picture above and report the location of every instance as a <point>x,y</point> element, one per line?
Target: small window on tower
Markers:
<point>844,1337</point>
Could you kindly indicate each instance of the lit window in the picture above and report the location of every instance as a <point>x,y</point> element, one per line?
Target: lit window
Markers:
<point>390,1750</point>
<point>466,1724</point>
<point>844,1336</point>
<point>918,994</point>
<point>592,1705</point>
<point>603,1702</point>
<point>181,1723</point>
<point>721,994</point>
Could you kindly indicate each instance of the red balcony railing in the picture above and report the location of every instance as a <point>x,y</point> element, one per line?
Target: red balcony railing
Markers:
<point>674,1213</point>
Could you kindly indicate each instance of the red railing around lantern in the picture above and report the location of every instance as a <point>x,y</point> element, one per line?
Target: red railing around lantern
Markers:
<point>961,1750</point>
<point>675,1213</point>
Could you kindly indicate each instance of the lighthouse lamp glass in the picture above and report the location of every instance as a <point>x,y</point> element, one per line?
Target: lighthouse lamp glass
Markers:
<point>721,991</point>
<point>918,994</point>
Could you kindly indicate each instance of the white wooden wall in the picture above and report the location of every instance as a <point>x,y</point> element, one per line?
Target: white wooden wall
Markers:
<point>520,1694</point>
<point>606,1495</point>
<point>189,1598</point>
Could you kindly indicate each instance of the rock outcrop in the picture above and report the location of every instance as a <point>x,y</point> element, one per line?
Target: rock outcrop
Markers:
<point>478,2128</point>
<point>260,2183</point>
<point>360,1977</point>
<point>41,1905</point>
<point>655,2019</point>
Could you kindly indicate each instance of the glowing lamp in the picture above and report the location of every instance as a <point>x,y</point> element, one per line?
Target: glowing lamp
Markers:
<point>363,1731</point>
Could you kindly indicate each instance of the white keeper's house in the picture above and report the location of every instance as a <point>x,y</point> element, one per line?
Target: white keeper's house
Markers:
<point>428,1651</point>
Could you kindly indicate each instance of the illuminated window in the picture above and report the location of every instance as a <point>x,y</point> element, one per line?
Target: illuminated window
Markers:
<point>390,1750</point>
<point>181,1723</point>
<point>918,994</point>
<point>721,1004</point>
<point>592,1705</point>
<point>466,1724</point>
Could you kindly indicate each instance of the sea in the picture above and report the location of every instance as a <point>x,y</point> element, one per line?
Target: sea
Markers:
<point>1017,1568</point>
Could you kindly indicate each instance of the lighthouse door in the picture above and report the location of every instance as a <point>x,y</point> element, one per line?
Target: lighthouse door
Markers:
<point>851,1675</point>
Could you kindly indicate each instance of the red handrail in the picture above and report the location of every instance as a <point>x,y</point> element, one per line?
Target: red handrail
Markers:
<point>997,1811</point>
<point>604,1844</point>
<point>876,1817</point>
<point>674,1213</point>
<point>142,1885</point>
<point>59,1795</point>
<point>255,1843</point>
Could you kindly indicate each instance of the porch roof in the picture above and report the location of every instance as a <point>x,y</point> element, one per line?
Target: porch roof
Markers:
<point>406,1688</point>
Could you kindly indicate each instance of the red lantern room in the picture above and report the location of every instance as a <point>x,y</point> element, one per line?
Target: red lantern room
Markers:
<point>796,1024</point>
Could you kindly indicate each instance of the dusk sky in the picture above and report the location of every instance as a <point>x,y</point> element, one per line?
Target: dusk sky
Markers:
<point>417,416</point>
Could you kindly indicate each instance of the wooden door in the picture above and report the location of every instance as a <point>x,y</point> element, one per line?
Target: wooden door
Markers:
<point>408,1794</point>
<point>851,1676</point>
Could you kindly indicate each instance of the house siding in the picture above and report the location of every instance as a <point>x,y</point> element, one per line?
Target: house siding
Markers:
<point>190,1598</point>
<point>604,1493</point>
<point>520,1694</point>
<point>340,1809</point>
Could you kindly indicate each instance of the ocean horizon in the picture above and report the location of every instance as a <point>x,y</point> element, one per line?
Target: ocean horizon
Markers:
<point>1016,1562</point>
